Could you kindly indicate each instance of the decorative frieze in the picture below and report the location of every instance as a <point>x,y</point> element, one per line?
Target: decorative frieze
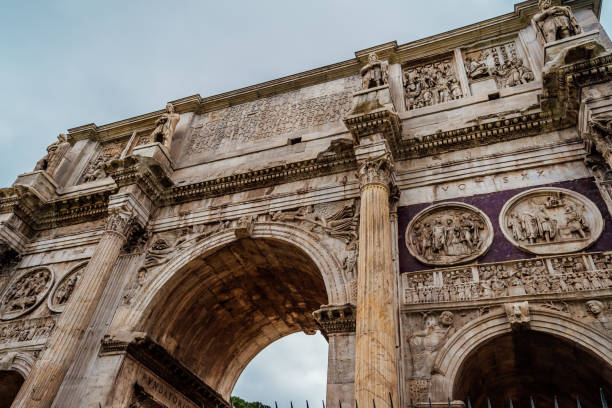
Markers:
<point>542,276</point>
<point>26,292</point>
<point>431,84</point>
<point>551,221</point>
<point>449,234</point>
<point>26,330</point>
<point>500,64</point>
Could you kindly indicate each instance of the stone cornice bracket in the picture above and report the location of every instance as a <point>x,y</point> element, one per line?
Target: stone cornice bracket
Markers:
<point>334,319</point>
<point>572,64</point>
<point>378,171</point>
<point>149,167</point>
<point>518,315</point>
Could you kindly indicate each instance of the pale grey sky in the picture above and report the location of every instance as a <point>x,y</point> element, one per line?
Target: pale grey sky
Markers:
<point>66,63</point>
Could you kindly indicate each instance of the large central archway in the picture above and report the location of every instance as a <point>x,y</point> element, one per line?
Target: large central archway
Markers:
<point>223,307</point>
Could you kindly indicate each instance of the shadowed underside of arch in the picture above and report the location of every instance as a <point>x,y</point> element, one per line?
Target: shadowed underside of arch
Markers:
<point>525,364</point>
<point>10,382</point>
<point>218,311</point>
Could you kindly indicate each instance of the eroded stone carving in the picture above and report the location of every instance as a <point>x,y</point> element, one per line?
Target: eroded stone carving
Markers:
<point>551,221</point>
<point>26,330</point>
<point>596,309</point>
<point>448,234</point>
<point>55,153</point>
<point>425,344</point>
<point>58,299</point>
<point>501,63</point>
<point>338,220</point>
<point>121,220</point>
<point>554,23</point>
<point>245,227</point>
<point>95,169</point>
<point>377,170</point>
<point>431,84</point>
<point>349,267</point>
<point>336,319</point>
<point>375,73</point>
<point>518,314</point>
<point>25,293</point>
<point>556,275</point>
<point>165,127</point>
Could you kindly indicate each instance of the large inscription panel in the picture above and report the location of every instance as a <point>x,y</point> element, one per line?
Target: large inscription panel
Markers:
<point>269,117</point>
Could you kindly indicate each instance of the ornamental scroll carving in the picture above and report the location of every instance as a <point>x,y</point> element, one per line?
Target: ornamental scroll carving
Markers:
<point>554,23</point>
<point>63,290</point>
<point>449,234</point>
<point>379,170</point>
<point>121,220</point>
<point>431,84</point>
<point>25,293</point>
<point>500,63</point>
<point>551,221</point>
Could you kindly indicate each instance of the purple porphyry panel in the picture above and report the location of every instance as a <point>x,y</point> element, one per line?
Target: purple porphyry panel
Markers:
<point>491,204</point>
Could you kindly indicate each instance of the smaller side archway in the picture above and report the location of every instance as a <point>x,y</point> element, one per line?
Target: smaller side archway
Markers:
<point>10,383</point>
<point>487,357</point>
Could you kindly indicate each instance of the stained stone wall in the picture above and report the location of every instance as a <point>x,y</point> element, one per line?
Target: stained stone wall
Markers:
<point>145,262</point>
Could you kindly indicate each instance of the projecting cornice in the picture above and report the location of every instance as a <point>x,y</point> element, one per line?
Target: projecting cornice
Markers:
<point>412,51</point>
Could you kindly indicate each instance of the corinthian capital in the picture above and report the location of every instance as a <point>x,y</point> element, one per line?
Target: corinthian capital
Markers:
<point>378,170</point>
<point>121,220</point>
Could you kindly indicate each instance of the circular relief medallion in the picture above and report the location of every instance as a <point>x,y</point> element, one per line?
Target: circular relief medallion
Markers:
<point>551,220</point>
<point>449,234</point>
<point>25,293</point>
<point>59,297</point>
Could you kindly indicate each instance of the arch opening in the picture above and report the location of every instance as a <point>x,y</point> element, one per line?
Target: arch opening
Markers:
<point>10,383</point>
<point>221,309</point>
<point>525,364</point>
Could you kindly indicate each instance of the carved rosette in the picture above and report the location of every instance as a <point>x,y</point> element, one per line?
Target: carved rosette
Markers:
<point>449,234</point>
<point>551,221</point>
<point>121,221</point>
<point>63,290</point>
<point>377,171</point>
<point>25,293</point>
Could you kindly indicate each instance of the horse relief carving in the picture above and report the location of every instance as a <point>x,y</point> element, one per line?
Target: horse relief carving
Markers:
<point>25,293</point>
<point>449,234</point>
<point>551,221</point>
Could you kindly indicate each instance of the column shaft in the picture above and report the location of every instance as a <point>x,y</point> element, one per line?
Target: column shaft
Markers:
<point>375,354</point>
<point>41,386</point>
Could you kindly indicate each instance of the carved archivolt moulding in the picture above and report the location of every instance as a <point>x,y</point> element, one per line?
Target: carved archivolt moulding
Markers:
<point>25,293</point>
<point>63,290</point>
<point>449,234</point>
<point>551,221</point>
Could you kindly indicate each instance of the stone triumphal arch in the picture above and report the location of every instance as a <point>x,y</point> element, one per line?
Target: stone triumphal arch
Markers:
<point>439,210</point>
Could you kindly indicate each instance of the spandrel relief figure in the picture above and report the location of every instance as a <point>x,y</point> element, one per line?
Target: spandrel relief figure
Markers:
<point>425,344</point>
<point>448,234</point>
<point>549,221</point>
<point>597,315</point>
<point>375,73</point>
<point>431,84</point>
<point>555,23</point>
<point>165,127</point>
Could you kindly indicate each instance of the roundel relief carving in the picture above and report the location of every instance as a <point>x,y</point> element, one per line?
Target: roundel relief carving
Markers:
<point>551,221</point>
<point>449,234</point>
<point>59,297</point>
<point>25,293</point>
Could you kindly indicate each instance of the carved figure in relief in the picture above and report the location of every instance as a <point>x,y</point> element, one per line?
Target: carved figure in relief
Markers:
<point>554,23</point>
<point>575,222</point>
<point>65,289</point>
<point>95,169</point>
<point>477,67</point>
<point>425,344</point>
<point>500,63</point>
<point>165,127</point>
<point>596,309</point>
<point>375,73</point>
<point>55,153</point>
<point>431,84</point>
<point>26,292</point>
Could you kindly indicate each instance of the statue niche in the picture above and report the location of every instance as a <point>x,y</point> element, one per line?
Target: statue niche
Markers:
<point>449,234</point>
<point>375,73</point>
<point>555,23</point>
<point>165,127</point>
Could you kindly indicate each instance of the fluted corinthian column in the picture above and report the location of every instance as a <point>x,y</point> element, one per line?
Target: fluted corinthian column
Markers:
<point>41,386</point>
<point>375,354</point>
